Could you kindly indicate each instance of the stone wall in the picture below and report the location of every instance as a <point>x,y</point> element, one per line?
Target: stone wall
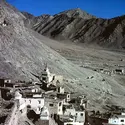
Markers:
<point>12,118</point>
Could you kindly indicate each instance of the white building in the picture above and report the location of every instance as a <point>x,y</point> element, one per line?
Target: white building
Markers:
<point>44,115</point>
<point>36,103</point>
<point>7,81</point>
<point>74,110</point>
<point>80,116</point>
<point>119,71</point>
<point>117,120</point>
<point>64,104</point>
<point>20,100</point>
<point>60,90</point>
<point>68,98</point>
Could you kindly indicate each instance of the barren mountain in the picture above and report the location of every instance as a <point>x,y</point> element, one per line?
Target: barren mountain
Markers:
<point>31,20</point>
<point>80,27</point>
<point>23,54</point>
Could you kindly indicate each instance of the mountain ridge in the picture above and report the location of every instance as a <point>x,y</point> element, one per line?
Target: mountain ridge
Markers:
<point>88,29</point>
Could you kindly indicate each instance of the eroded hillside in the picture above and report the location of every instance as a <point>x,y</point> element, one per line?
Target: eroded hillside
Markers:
<point>23,53</point>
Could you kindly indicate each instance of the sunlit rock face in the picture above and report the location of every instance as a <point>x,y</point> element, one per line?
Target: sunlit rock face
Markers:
<point>80,27</point>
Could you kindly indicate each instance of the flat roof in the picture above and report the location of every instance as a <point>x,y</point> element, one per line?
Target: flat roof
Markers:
<point>118,116</point>
<point>65,118</point>
<point>6,88</point>
<point>34,98</point>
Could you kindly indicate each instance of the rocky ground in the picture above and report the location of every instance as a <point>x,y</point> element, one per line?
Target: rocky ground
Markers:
<point>94,58</point>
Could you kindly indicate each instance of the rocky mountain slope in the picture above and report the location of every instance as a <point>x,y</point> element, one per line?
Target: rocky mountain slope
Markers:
<point>32,20</point>
<point>79,27</point>
<point>23,54</point>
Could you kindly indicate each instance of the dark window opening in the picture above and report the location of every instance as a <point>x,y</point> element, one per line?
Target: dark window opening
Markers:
<point>39,102</point>
<point>93,121</point>
<point>44,74</point>
<point>51,105</point>
<point>29,107</point>
<point>21,111</point>
<point>30,101</point>
<point>122,120</point>
<point>59,89</point>
<point>53,78</point>
<point>60,104</point>
<point>43,78</point>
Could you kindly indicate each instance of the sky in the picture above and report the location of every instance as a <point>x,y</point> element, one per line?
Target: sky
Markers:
<point>99,8</point>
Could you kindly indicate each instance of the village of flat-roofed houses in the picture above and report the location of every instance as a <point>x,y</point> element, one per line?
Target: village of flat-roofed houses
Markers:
<point>48,103</point>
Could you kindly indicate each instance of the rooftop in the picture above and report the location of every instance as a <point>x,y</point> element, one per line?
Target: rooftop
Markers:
<point>65,118</point>
<point>78,107</point>
<point>118,116</point>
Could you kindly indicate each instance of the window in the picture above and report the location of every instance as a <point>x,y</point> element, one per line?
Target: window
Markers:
<point>60,104</point>
<point>81,114</point>
<point>43,78</point>
<point>21,111</point>
<point>30,101</point>
<point>51,105</point>
<point>44,74</point>
<point>59,89</point>
<point>39,101</point>
<point>28,107</point>
<point>122,120</point>
<point>76,114</point>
